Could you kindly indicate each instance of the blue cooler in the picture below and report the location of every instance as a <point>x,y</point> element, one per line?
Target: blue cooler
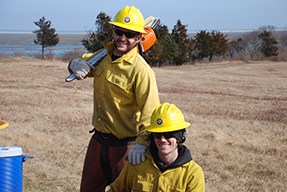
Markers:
<point>11,161</point>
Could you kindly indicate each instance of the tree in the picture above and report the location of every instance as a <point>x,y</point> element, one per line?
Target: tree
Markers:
<point>165,49</point>
<point>236,47</point>
<point>282,39</point>
<point>103,33</point>
<point>179,34</point>
<point>269,45</point>
<point>220,44</point>
<point>251,44</point>
<point>208,44</point>
<point>203,44</point>
<point>46,35</point>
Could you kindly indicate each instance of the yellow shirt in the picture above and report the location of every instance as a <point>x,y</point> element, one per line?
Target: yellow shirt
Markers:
<point>125,95</point>
<point>147,177</point>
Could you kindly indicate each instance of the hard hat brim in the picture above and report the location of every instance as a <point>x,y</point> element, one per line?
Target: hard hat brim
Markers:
<point>152,129</point>
<point>131,28</point>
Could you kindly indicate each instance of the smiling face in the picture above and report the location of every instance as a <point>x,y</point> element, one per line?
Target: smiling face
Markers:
<point>166,146</point>
<point>124,40</point>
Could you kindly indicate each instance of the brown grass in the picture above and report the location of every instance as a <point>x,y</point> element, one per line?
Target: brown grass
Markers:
<point>238,114</point>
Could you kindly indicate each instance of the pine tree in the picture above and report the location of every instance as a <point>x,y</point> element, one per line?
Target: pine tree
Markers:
<point>269,45</point>
<point>165,49</point>
<point>46,34</point>
<point>220,44</point>
<point>203,44</point>
<point>179,34</point>
<point>103,33</point>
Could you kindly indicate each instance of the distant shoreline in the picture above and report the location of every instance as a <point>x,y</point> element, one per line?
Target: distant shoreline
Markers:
<point>189,31</point>
<point>30,32</point>
<point>13,42</point>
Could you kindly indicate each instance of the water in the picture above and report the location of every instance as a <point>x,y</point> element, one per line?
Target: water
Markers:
<point>12,43</point>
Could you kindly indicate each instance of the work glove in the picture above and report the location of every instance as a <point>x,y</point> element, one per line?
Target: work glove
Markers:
<point>80,67</point>
<point>136,154</point>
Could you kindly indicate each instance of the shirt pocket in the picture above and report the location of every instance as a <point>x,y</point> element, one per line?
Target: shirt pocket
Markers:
<point>120,81</point>
<point>120,88</point>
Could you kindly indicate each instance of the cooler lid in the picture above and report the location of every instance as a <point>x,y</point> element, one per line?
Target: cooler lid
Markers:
<point>10,151</point>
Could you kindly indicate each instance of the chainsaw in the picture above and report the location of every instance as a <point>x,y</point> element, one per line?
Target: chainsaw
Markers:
<point>147,41</point>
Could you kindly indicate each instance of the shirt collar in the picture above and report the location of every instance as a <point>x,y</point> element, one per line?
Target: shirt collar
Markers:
<point>127,58</point>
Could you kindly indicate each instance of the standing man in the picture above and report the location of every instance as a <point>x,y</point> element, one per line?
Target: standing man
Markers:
<point>169,165</point>
<point>125,94</point>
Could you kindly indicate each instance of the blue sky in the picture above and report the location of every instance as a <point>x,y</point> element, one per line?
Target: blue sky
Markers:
<point>80,15</point>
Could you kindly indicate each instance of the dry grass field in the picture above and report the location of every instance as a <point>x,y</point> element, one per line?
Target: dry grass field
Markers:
<point>237,110</point>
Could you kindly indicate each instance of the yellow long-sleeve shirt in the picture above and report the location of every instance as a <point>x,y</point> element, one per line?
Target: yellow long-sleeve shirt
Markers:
<point>125,95</point>
<point>147,177</point>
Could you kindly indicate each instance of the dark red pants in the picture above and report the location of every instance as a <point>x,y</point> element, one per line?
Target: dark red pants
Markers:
<point>96,174</point>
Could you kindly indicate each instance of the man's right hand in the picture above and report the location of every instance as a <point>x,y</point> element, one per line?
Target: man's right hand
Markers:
<point>136,154</point>
<point>80,68</point>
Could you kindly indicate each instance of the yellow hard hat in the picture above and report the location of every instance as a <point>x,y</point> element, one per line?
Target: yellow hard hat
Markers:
<point>129,18</point>
<point>167,118</point>
<point>3,124</point>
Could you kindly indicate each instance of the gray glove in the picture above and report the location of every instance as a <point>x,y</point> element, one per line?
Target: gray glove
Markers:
<point>136,154</point>
<point>80,67</point>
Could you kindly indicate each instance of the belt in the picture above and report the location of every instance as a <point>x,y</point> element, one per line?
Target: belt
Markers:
<point>111,140</point>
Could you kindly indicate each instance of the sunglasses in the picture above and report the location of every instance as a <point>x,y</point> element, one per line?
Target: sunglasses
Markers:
<point>128,34</point>
<point>165,135</point>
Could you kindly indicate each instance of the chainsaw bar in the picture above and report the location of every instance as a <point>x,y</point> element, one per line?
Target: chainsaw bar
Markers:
<point>152,22</point>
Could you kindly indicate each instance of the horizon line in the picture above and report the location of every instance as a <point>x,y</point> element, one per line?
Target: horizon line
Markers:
<point>85,32</point>
<point>31,32</point>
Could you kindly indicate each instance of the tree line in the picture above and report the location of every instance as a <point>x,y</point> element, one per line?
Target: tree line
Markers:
<point>178,47</point>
